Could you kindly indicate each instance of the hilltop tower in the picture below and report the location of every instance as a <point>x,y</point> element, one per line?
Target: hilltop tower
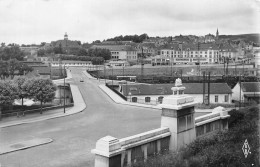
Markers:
<point>66,36</point>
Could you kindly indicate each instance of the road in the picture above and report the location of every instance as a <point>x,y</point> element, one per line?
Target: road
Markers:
<point>74,136</point>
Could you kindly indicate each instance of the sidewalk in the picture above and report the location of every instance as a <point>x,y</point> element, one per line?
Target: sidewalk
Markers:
<point>24,145</point>
<point>69,76</point>
<point>79,105</point>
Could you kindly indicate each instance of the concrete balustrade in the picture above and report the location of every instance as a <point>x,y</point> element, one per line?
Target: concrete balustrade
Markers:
<point>110,150</point>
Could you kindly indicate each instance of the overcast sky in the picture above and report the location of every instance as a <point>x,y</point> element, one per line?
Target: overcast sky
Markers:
<point>35,21</point>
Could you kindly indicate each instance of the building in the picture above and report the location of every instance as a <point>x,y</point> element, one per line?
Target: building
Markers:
<point>118,63</point>
<point>147,49</point>
<point>154,93</point>
<point>120,52</point>
<point>227,51</point>
<point>207,53</point>
<point>250,92</point>
<point>209,38</point>
<point>65,44</point>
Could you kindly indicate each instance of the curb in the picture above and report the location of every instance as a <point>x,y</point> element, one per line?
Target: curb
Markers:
<point>81,106</point>
<point>9,149</point>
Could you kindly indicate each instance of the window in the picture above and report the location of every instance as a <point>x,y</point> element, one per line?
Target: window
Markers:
<point>181,124</point>
<point>175,92</point>
<point>134,99</point>
<point>189,121</point>
<point>160,99</point>
<point>216,99</point>
<point>185,122</point>
<point>181,92</point>
<point>226,98</point>
<point>147,99</point>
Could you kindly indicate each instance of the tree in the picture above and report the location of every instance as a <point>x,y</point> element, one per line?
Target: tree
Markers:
<point>21,88</point>
<point>40,89</point>
<point>8,94</point>
<point>41,52</point>
<point>24,69</point>
<point>97,60</point>
<point>13,52</point>
<point>14,65</point>
<point>4,69</point>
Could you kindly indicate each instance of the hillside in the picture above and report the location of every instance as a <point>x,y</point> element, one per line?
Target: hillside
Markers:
<point>246,37</point>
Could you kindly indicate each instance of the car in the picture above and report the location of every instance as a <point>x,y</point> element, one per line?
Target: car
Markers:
<point>81,80</point>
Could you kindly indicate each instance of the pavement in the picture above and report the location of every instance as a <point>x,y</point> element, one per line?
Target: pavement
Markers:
<point>24,145</point>
<point>117,99</point>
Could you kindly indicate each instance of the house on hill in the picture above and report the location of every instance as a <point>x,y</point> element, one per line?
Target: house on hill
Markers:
<point>65,43</point>
<point>154,93</point>
<point>250,92</point>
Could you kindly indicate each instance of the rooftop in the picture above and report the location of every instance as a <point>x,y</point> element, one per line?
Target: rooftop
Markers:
<point>165,89</point>
<point>250,86</point>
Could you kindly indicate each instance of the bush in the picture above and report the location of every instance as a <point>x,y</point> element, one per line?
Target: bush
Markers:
<point>221,149</point>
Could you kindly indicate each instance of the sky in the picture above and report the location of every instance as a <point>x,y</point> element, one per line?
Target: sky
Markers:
<point>36,21</point>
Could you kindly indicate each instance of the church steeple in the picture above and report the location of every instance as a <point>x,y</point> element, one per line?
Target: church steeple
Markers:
<point>65,36</point>
<point>217,34</point>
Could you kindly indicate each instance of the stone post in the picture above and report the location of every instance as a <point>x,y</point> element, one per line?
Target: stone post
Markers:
<point>107,152</point>
<point>178,116</point>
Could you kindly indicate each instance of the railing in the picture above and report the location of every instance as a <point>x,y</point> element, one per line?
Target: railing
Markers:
<point>17,113</point>
<point>119,94</point>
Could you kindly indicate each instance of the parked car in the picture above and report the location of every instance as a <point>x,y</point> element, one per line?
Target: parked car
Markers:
<point>81,80</point>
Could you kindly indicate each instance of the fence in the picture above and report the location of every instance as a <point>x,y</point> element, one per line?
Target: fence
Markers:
<point>16,113</point>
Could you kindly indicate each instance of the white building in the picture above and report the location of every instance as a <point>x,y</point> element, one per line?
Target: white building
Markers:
<point>154,93</point>
<point>190,53</point>
<point>250,91</point>
<point>120,52</point>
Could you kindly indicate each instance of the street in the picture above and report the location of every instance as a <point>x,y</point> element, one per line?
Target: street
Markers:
<point>74,136</point>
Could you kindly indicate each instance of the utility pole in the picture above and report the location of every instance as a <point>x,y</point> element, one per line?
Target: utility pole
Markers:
<point>227,66</point>
<point>224,66</point>
<point>105,73</point>
<point>142,65</point>
<point>209,89</point>
<point>240,91</point>
<point>64,88</point>
<point>198,69</point>
<point>204,87</point>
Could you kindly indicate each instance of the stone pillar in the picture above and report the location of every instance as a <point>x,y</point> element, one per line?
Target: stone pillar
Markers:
<point>178,116</point>
<point>107,152</point>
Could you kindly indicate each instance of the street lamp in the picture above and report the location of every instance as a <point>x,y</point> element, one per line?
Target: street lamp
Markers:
<point>64,88</point>
<point>112,75</point>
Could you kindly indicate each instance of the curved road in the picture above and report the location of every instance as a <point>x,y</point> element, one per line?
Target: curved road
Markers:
<point>74,136</point>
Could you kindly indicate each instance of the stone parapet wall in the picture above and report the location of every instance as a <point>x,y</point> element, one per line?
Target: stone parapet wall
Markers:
<point>125,151</point>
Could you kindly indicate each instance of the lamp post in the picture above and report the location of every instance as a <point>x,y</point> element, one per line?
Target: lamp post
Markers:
<point>112,75</point>
<point>64,89</point>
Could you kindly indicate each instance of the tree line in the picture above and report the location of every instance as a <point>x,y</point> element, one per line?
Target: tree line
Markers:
<point>38,89</point>
<point>134,38</point>
<point>11,62</point>
<point>96,56</point>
